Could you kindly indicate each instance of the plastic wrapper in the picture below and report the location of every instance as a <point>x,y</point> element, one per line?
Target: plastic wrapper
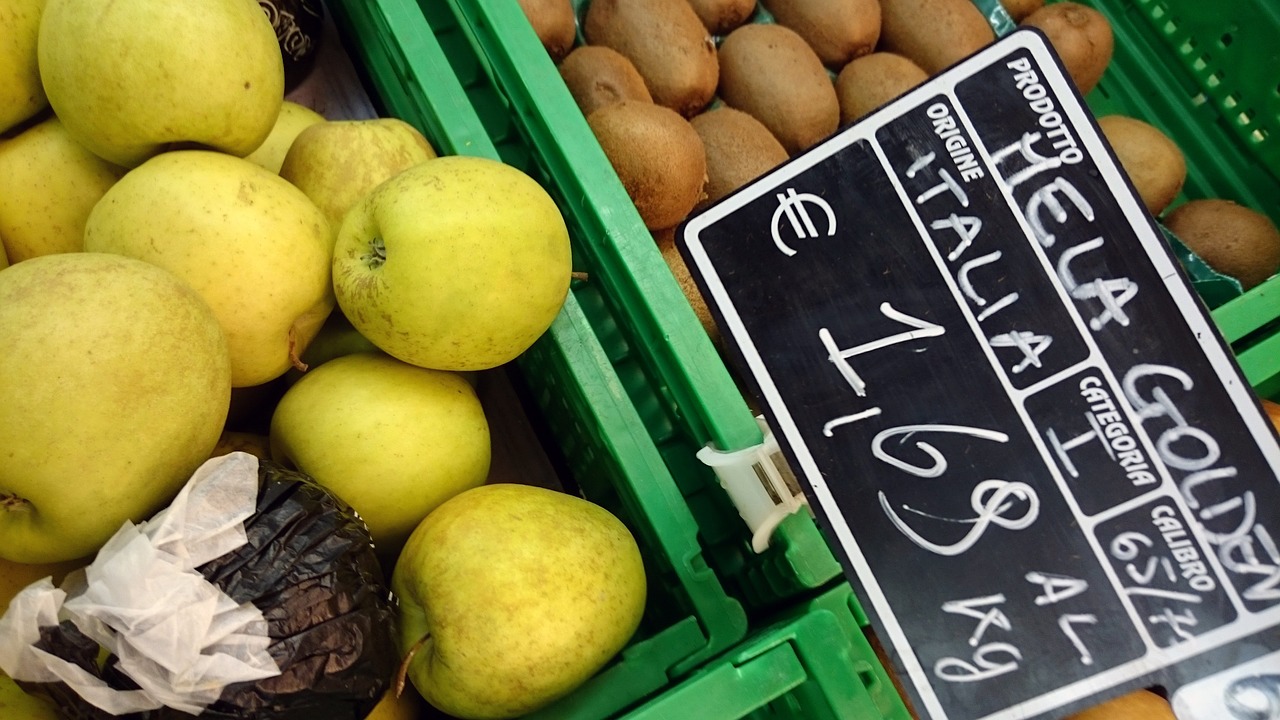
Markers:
<point>305,562</point>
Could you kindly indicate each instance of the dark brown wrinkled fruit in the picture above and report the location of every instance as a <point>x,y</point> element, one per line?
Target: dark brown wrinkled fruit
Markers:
<point>1080,35</point>
<point>667,43</point>
<point>554,23</point>
<point>658,157</point>
<point>739,149</point>
<point>837,30</point>
<point>1233,239</point>
<point>873,80</point>
<point>771,73</point>
<point>1151,160</point>
<point>1020,9</point>
<point>934,34</point>
<point>597,76</point>
<point>722,16</point>
<point>666,240</point>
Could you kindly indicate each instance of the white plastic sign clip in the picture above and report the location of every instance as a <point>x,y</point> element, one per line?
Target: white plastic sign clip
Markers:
<point>759,483</point>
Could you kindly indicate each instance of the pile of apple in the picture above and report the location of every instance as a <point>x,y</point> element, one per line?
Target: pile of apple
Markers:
<point>168,244</point>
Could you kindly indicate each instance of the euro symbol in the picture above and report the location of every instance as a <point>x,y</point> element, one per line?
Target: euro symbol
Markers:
<point>792,204</point>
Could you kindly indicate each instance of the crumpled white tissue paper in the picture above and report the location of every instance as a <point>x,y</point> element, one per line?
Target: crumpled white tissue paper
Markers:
<point>180,638</point>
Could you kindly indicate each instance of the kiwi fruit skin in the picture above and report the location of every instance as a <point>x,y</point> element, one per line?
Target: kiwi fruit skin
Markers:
<point>1080,35</point>
<point>873,80</point>
<point>934,34</point>
<point>597,76</point>
<point>666,240</point>
<point>1137,705</point>
<point>666,42</point>
<point>771,73</point>
<point>722,16</point>
<point>1233,239</point>
<point>555,24</point>
<point>1151,160</point>
<point>837,30</point>
<point>658,157</point>
<point>1019,9</point>
<point>739,149</point>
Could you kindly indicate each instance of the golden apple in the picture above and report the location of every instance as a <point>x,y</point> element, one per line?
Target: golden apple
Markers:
<point>459,263</point>
<point>18,705</point>
<point>293,119</point>
<point>511,596</point>
<point>392,440</point>
<point>252,245</point>
<point>131,79</point>
<point>114,388</point>
<point>48,185</point>
<point>21,94</point>
<point>337,163</point>
<point>14,576</point>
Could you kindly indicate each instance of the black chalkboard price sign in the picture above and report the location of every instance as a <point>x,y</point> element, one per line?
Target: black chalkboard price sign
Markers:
<point>1045,473</point>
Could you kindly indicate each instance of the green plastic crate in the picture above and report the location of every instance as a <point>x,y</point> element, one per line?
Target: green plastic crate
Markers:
<point>812,663</point>
<point>1208,75</point>
<point>609,455</point>
<point>668,366</point>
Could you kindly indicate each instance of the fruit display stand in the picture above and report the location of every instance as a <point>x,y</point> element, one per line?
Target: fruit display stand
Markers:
<point>575,376</point>
<point>632,389</point>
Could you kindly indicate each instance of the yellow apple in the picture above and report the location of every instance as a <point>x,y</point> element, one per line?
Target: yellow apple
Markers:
<point>408,706</point>
<point>48,185</point>
<point>459,263</point>
<point>14,576</point>
<point>511,596</point>
<point>392,440</point>
<point>293,119</point>
<point>18,705</point>
<point>337,163</point>
<point>114,388</point>
<point>21,95</point>
<point>253,246</point>
<point>4,259</point>
<point>131,79</point>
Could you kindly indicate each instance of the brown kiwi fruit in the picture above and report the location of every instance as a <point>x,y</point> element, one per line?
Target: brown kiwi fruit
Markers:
<point>554,23</point>
<point>1152,161</point>
<point>1137,705</point>
<point>1080,35</point>
<point>1019,9</point>
<point>771,73</point>
<point>658,157</point>
<point>722,16</point>
<point>1233,239</point>
<point>873,80</point>
<point>599,76</point>
<point>739,149</point>
<point>666,240</point>
<point>933,33</point>
<point>837,30</point>
<point>666,42</point>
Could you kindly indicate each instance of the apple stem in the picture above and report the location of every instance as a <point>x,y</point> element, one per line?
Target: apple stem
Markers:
<point>13,503</point>
<point>579,275</point>
<point>403,670</point>
<point>293,350</point>
<point>377,254</point>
